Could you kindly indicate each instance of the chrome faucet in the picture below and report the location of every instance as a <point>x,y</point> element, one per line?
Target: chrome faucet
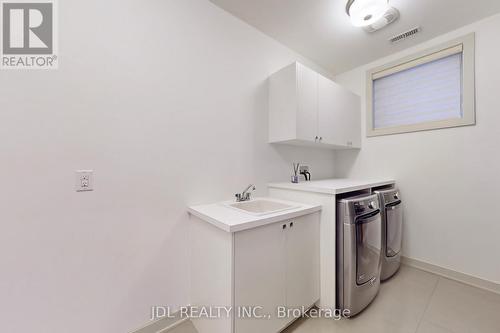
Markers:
<point>304,170</point>
<point>245,195</point>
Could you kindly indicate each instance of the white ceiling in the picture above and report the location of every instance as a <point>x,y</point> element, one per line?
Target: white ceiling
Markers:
<point>321,31</point>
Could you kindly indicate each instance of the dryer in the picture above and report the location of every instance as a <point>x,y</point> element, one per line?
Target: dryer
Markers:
<point>392,231</point>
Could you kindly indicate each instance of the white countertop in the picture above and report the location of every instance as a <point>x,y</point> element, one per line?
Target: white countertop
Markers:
<point>233,220</point>
<point>334,186</point>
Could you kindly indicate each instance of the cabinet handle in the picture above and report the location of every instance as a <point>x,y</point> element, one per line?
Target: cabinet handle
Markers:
<point>284,226</point>
<point>316,138</point>
<point>291,224</point>
<point>320,138</point>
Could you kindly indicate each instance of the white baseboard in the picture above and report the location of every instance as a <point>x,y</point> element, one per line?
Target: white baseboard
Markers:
<point>162,325</point>
<point>452,275</point>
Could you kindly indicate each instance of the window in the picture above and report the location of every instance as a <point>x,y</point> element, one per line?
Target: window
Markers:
<point>430,90</point>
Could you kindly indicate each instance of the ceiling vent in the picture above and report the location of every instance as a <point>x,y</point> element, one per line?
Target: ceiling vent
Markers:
<point>405,35</point>
<point>390,16</point>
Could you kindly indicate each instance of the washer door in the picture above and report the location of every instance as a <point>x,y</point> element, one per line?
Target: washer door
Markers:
<point>368,247</point>
<point>394,229</point>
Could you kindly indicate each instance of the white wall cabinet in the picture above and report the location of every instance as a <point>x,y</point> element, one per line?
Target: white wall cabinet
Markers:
<point>306,108</point>
<point>276,265</point>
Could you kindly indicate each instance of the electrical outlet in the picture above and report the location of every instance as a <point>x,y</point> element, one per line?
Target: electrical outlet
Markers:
<point>84,181</point>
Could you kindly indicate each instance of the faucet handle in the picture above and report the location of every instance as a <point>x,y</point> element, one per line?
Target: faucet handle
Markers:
<point>238,196</point>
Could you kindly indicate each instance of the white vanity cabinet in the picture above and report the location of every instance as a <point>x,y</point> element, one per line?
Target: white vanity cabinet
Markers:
<point>266,266</point>
<point>306,108</point>
<point>276,266</point>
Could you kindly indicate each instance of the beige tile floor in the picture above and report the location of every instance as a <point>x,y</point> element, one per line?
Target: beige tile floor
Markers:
<point>186,327</point>
<point>415,301</point>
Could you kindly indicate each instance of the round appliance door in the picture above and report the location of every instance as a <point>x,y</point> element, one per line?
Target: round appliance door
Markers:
<point>368,247</point>
<point>394,229</point>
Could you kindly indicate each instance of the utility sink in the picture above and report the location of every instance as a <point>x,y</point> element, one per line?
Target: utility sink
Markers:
<point>261,206</point>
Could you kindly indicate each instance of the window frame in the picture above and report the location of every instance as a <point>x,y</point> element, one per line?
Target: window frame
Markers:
<point>467,43</point>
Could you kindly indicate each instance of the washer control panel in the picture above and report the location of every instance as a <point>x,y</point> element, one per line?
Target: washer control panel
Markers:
<point>365,206</point>
<point>391,196</point>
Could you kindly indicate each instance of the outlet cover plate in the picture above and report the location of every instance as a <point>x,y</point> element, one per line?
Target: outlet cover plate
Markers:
<point>84,180</point>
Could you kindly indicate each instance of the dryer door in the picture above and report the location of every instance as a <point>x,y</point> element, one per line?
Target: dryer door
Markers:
<point>394,229</point>
<point>368,247</point>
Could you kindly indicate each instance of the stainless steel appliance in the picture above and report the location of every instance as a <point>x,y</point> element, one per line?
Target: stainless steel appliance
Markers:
<point>359,243</point>
<point>392,231</point>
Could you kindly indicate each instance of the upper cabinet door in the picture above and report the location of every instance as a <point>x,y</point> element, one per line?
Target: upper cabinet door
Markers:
<point>327,115</point>
<point>307,104</point>
<point>339,114</point>
<point>348,108</point>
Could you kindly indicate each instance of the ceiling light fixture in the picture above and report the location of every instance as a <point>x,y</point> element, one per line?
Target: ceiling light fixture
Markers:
<point>366,12</point>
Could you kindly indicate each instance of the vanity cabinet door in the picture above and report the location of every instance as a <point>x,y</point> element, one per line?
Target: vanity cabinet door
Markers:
<point>302,246</point>
<point>260,277</point>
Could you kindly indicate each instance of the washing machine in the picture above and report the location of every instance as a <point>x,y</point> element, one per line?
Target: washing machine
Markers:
<point>392,231</point>
<point>359,250</point>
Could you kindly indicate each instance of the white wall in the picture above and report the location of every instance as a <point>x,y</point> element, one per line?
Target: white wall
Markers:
<point>449,178</point>
<point>167,101</point>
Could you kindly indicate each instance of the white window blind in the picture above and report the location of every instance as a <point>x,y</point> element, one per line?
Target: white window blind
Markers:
<point>420,92</point>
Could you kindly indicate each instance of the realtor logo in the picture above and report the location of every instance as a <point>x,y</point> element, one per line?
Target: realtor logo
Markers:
<point>28,34</point>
